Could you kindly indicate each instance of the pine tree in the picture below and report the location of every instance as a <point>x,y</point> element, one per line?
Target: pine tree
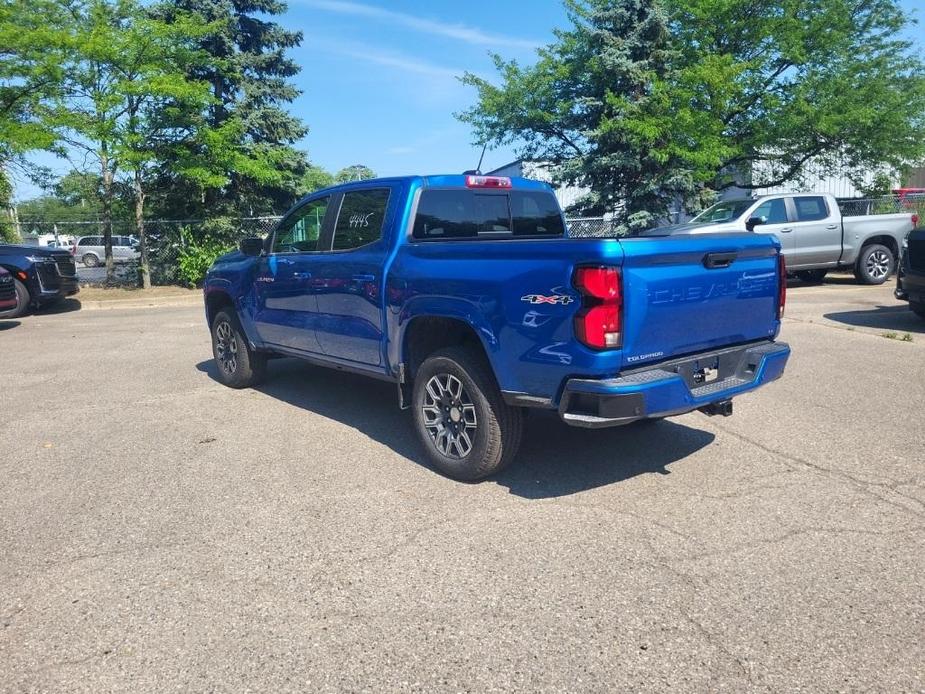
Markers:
<point>249,75</point>
<point>577,108</point>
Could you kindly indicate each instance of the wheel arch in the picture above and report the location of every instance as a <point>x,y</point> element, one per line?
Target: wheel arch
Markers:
<point>425,334</point>
<point>216,300</point>
<point>883,240</point>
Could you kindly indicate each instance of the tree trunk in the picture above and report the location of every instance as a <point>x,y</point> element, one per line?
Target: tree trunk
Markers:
<point>106,174</point>
<point>140,230</point>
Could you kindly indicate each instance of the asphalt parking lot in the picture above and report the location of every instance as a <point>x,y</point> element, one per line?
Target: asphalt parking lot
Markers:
<point>161,532</point>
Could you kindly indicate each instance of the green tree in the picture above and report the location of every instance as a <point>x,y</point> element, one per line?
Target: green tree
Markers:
<point>90,105</point>
<point>315,178</point>
<point>357,172</point>
<point>7,211</point>
<point>249,74</point>
<point>162,107</point>
<point>651,102</point>
<point>34,37</point>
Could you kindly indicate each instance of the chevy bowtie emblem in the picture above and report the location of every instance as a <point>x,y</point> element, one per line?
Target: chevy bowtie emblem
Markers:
<point>555,299</point>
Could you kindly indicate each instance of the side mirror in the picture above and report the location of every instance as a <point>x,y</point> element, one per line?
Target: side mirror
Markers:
<point>251,246</point>
<point>753,222</point>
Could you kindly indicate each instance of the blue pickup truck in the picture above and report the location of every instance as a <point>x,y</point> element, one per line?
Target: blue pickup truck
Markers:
<point>467,293</point>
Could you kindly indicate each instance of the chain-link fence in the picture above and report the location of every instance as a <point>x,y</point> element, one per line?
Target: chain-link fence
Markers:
<point>180,251</point>
<point>909,203</point>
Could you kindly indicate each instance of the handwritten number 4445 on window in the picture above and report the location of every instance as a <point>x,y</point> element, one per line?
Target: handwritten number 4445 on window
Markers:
<point>360,221</point>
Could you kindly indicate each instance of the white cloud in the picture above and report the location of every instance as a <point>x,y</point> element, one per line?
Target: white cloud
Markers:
<point>460,32</point>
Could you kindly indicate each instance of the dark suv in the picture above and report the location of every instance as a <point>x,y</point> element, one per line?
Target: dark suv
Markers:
<point>41,276</point>
<point>910,279</point>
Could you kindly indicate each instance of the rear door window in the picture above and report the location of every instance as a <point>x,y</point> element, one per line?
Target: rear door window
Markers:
<point>455,214</point>
<point>361,218</point>
<point>810,209</point>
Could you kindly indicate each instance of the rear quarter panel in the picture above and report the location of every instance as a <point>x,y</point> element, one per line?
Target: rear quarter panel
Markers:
<point>531,346</point>
<point>858,229</point>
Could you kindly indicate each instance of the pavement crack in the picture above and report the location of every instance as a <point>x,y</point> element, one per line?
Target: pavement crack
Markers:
<point>865,486</point>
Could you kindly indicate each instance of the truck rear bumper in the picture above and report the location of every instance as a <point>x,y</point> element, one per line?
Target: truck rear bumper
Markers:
<point>673,387</point>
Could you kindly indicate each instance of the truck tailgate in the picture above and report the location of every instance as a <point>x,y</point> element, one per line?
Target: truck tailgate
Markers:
<point>685,294</point>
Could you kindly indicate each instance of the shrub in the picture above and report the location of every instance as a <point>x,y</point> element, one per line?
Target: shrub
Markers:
<point>197,256</point>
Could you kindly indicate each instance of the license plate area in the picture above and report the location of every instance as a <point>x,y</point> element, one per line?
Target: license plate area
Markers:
<point>713,367</point>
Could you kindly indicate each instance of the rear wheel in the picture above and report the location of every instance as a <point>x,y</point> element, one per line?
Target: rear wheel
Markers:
<point>90,260</point>
<point>238,365</point>
<point>918,308</point>
<point>463,423</point>
<point>22,301</point>
<point>875,264</point>
<point>811,276</point>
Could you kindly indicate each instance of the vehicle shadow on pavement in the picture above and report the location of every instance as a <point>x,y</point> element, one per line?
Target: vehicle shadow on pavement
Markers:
<point>558,460</point>
<point>65,306</point>
<point>7,324</point>
<point>895,318</point>
<point>554,460</point>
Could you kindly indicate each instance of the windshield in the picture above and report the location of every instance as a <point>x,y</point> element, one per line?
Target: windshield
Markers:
<point>724,211</point>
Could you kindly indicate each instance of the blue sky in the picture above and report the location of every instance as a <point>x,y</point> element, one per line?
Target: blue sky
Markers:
<point>379,78</point>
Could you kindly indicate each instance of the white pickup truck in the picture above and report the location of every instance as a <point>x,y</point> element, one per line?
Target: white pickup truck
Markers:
<point>813,235</point>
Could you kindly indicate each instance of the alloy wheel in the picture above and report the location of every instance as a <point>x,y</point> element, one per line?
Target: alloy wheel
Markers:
<point>878,264</point>
<point>449,415</point>
<point>226,347</point>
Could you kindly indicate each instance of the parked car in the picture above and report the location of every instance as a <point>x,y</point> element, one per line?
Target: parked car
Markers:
<point>910,279</point>
<point>41,276</point>
<point>7,292</point>
<point>91,251</point>
<point>814,236</point>
<point>465,292</point>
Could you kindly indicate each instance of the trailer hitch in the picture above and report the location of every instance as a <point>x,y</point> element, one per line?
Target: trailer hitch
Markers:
<point>724,408</point>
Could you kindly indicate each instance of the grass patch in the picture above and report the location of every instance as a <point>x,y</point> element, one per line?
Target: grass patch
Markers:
<point>117,293</point>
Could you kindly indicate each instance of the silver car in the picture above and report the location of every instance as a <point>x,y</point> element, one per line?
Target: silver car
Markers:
<point>90,250</point>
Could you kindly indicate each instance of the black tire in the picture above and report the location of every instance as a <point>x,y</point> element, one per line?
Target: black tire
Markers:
<point>875,264</point>
<point>90,260</point>
<point>462,443</point>
<point>811,276</point>
<point>237,364</point>
<point>918,308</point>
<point>23,299</point>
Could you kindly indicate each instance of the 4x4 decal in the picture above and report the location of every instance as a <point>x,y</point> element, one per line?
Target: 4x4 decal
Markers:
<point>555,299</point>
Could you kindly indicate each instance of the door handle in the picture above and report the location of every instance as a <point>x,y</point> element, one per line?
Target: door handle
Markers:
<point>302,275</point>
<point>831,226</point>
<point>364,278</point>
<point>786,231</point>
<point>285,261</point>
<point>713,261</point>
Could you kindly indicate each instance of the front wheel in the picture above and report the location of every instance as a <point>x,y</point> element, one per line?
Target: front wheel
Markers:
<point>90,260</point>
<point>918,308</point>
<point>463,423</point>
<point>238,365</point>
<point>875,264</point>
<point>22,301</point>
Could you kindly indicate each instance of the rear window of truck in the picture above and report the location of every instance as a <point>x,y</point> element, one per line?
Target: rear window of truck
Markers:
<point>468,214</point>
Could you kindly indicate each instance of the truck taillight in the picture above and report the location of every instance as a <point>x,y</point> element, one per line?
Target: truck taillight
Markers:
<point>599,323</point>
<point>782,288</point>
<point>488,182</point>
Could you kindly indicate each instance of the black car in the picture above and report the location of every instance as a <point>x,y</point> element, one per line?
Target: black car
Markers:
<point>910,279</point>
<point>41,276</point>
